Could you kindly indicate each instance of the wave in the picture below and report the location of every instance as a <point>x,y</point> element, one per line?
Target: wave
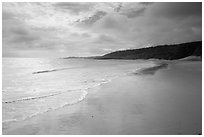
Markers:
<point>64,103</point>
<point>9,120</point>
<point>151,70</point>
<point>44,71</point>
<point>51,70</point>
<point>82,97</point>
<point>30,98</point>
<point>98,83</point>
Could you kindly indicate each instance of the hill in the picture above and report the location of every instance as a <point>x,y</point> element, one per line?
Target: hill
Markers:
<point>167,52</point>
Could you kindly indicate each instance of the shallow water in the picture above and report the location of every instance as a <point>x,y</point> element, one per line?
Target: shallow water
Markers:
<point>33,86</point>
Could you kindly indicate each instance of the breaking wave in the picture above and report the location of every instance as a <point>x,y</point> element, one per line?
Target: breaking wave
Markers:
<point>64,101</point>
<point>82,97</point>
<point>30,98</point>
<point>52,70</point>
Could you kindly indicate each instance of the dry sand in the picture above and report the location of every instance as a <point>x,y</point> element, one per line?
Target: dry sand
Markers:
<point>167,102</point>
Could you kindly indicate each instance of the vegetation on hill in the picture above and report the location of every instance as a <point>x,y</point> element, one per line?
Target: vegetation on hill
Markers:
<point>168,52</point>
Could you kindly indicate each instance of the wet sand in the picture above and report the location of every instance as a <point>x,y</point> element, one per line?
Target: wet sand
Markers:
<point>168,101</point>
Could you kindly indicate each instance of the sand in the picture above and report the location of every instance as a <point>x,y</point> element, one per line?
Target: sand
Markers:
<point>166,102</point>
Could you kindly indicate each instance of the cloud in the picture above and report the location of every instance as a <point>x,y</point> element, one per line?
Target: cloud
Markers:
<point>16,32</point>
<point>134,13</point>
<point>118,8</point>
<point>92,19</point>
<point>146,3</point>
<point>26,39</point>
<point>105,39</point>
<point>84,29</point>
<point>112,23</point>
<point>20,31</point>
<point>74,7</point>
<point>177,9</point>
<point>132,10</point>
<point>7,15</point>
<point>85,35</point>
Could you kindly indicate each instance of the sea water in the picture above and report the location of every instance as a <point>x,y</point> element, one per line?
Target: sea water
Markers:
<point>33,86</point>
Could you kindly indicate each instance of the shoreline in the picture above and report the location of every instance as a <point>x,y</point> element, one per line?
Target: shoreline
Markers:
<point>140,107</point>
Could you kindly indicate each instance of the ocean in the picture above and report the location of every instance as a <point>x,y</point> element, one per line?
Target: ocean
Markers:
<point>33,86</point>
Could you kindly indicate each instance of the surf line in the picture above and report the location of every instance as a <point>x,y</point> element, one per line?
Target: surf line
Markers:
<point>46,71</point>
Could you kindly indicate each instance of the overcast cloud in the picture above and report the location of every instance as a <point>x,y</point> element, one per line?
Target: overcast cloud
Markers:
<point>86,29</point>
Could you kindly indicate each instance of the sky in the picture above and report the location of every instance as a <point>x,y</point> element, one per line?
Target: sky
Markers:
<point>40,29</point>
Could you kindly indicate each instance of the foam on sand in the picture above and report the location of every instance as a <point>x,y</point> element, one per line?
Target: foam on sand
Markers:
<point>151,70</point>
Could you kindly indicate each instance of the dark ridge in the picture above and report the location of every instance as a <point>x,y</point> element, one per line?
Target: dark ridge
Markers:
<point>167,52</point>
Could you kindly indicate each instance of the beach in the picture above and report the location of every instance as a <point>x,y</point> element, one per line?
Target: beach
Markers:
<point>167,101</point>
<point>102,68</point>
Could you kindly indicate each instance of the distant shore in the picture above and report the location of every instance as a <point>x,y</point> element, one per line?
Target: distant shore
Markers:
<point>163,52</point>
